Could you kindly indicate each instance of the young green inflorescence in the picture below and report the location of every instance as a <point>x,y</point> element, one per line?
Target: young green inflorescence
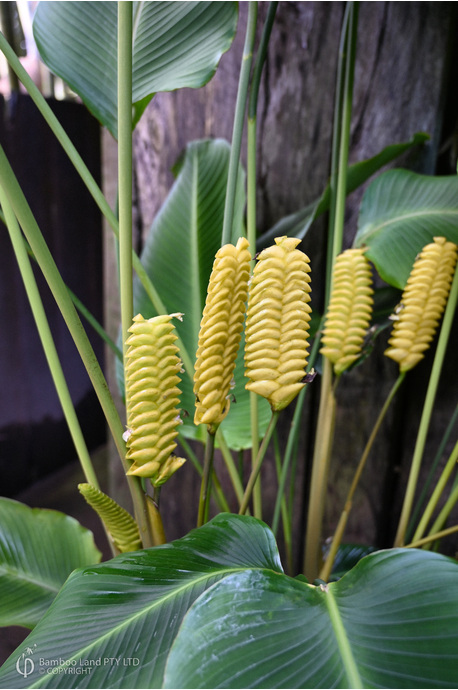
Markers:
<point>220,333</point>
<point>152,398</point>
<point>278,322</point>
<point>121,525</point>
<point>422,304</point>
<point>349,311</point>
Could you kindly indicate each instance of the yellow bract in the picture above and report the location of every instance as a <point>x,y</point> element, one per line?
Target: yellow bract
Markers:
<point>422,304</point>
<point>349,311</point>
<point>277,323</point>
<point>220,333</point>
<point>152,367</point>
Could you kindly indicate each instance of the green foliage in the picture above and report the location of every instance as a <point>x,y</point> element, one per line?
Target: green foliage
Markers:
<point>400,213</point>
<point>391,622</point>
<point>175,45</point>
<point>214,609</point>
<point>133,606</point>
<point>38,551</point>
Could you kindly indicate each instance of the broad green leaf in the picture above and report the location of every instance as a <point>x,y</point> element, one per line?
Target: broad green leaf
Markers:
<point>175,45</point>
<point>132,607</point>
<point>297,224</point>
<point>400,213</point>
<point>391,622</point>
<point>178,256</point>
<point>38,551</point>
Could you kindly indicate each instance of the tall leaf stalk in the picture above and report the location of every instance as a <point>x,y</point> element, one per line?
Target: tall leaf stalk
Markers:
<point>326,415</point>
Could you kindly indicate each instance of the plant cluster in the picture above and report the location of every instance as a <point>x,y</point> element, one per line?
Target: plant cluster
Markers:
<point>215,608</point>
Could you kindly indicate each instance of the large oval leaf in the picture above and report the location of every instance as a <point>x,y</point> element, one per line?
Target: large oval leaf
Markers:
<point>402,211</point>
<point>178,256</point>
<point>175,45</point>
<point>38,551</point>
<point>391,622</point>
<point>131,608</point>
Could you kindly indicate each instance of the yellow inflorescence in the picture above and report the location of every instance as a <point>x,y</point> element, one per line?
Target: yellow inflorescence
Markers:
<point>422,304</point>
<point>277,323</point>
<point>121,525</point>
<point>152,398</point>
<point>349,311</point>
<point>220,333</point>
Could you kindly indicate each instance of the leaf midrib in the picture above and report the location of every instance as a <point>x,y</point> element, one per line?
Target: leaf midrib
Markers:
<point>407,216</point>
<point>146,610</point>
<point>20,575</point>
<point>343,643</point>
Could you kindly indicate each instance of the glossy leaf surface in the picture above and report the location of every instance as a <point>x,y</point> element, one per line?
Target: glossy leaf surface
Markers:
<point>132,606</point>
<point>390,622</point>
<point>400,213</point>
<point>175,45</point>
<point>38,551</point>
<point>178,256</point>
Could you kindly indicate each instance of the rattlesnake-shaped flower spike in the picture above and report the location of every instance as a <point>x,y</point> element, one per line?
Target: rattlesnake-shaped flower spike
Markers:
<point>152,398</point>
<point>278,315</point>
<point>350,309</point>
<point>220,333</point>
<point>422,304</point>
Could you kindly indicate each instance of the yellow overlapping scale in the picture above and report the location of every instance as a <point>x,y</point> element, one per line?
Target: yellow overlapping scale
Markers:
<point>422,304</point>
<point>277,323</point>
<point>349,311</point>
<point>152,398</point>
<point>220,333</point>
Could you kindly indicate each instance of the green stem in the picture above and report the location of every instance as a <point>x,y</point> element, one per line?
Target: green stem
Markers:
<point>239,118</point>
<point>47,341</point>
<point>125,164</point>
<point>89,181</point>
<point>338,535</point>
<point>230,465</point>
<point>217,491</point>
<point>446,510</point>
<point>58,288</point>
<point>432,537</point>
<point>260,60</point>
<point>427,411</point>
<point>320,469</point>
<point>292,436</point>
<point>287,528</point>
<point>341,139</point>
<point>257,467</point>
<point>205,488</point>
<point>437,493</point>
<point>425,490</point>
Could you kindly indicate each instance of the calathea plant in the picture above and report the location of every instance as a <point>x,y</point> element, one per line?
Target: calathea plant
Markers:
<point>216,607</point>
